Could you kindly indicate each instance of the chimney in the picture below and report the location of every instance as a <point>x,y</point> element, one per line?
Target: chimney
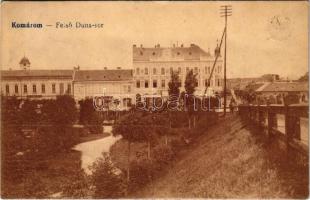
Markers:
<point>141,46</point>
<point>158,45</point>
<point>182,45</point>
<point>134,46</point>
<point>192,45</point>
<point>118,68</point>
<point>105,68</point>
<point>173,45</point>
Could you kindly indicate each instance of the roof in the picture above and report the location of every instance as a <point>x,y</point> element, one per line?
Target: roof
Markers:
<point>103,75</point>
<point>157,53</point>
<point>14,74</point>
<point>24,60</point>
<point>284,87</point>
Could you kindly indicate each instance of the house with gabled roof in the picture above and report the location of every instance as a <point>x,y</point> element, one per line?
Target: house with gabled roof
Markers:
<point>113,85</point>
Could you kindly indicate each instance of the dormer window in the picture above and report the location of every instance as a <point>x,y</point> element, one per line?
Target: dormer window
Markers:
<point>178,53</point>
<point>153,53</point>
<point>119,76</point>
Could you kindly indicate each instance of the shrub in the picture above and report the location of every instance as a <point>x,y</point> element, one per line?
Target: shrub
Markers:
<point>177,145</point>
<point>78,187</point>
<point>163,156</point>
<point>107,183</point>
<point>141,173</point>
<point>90,117</point>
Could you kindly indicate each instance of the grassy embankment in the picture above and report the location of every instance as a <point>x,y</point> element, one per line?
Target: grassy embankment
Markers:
<point>229,161</point>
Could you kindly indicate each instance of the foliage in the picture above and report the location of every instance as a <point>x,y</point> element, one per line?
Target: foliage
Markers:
<point>130,127</point>
<point>305,77</point>
<point>107,183</point>
<point>33,187</point>
<point>141,174</point>
<point>78,187</point>
<point>90,117</point>
<point>190,82</point>
<point>174,84</point>
<point>163,156</point>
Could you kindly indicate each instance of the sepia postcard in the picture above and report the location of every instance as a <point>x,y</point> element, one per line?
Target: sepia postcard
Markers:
<point>154,99</point>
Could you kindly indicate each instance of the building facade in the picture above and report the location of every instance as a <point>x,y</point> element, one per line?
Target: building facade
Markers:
<point>114,85</point>
<point>152,68</point>
<point>27,83</point>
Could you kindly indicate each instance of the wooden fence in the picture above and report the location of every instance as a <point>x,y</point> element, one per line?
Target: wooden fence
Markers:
<point>265,117</point>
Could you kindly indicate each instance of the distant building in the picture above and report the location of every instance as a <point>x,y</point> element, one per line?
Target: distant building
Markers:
<point>112,84</point>
<point>242,83</point>
<point>279,91</point>
<point>152,67</point>
<point>42,84</point>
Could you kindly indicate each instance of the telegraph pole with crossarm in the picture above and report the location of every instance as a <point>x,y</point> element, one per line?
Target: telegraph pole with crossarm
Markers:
<point>225,11</point>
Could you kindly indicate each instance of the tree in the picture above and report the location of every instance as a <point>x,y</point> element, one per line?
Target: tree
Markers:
<point>108,183</point>
<point>89,117</point>
<point>129,126</point>
<point>305,77</point>
<point>174,93</point>
<point>191,83</point>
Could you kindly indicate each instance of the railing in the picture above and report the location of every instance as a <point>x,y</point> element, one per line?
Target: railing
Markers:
<point>268,117</point>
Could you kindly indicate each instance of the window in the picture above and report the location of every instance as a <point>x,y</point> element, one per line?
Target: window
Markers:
<point>162,71</point>
<point>53,88</point>
<point>154,53</point>
<point>61,88</point>
<point>138,71</point>
<point>218,82</point>
<point>171,70</point>
<point>138,84</point>
<point>196,70</point>
<point>25,89</point>
<point>206,83</point>
<point>43,88</point>
<point>179,69</point>
<point>154,83</point>
<point>146,84</point>
<point>69,89</point>
<point>187,69</point>
<point>146,71</point>
<point>16,89</point>
<point>129,88</point>
<point>7,89</point>
<point>34,88</point>
<point>154,70</point>
<point>163,84</point>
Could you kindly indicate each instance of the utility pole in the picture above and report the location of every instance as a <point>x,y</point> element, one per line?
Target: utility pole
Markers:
<point>225,11</point>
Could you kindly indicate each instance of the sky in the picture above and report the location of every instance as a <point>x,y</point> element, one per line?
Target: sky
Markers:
<point>262,37</point>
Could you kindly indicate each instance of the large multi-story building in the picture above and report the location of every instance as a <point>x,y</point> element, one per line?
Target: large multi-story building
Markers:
<point>27,83</point>
<point>116,84</point>
<point>152,68</point>
<point>151,74</point>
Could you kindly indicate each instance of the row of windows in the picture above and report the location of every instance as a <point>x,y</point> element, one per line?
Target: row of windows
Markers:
<point>163,83</point>
<point>217,69</point>
<point>43,88</point>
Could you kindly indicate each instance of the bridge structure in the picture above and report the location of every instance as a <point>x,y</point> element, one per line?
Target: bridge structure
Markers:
<point>286,123</point>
